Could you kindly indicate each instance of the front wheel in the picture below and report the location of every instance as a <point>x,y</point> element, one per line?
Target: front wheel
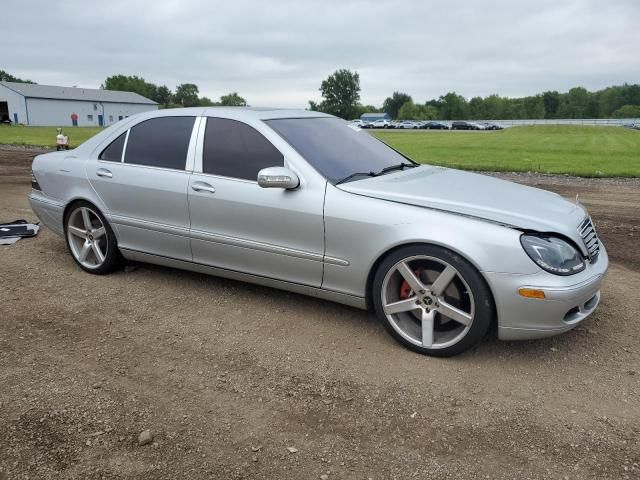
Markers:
<point>431,300</point>
<point>90,240</point>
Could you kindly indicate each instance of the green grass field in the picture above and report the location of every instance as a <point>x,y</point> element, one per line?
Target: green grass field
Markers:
<point>44,136</point>
<point>576,150</point>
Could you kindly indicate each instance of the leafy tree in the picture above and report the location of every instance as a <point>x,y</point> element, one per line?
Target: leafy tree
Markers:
<point>574,104</point>
<point>340,93</point>
<point>187,95</point>
<point>476,108</point>
<point>627,111</point>
<point>206,102</point>
<point>7,77</point>
<point>233,100</point>
<point>393,103</point>
<point>430,112</point>
<point>408,111</point>
<point>533,107</point>
<point>551,102</point>
<point>360,109</point>
<point>132,83</point>
<point>454,107</point>
<point>163,95</point>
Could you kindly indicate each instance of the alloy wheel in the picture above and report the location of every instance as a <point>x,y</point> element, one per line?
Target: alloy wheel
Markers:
<point>428,302</point>
<point>87,237</point>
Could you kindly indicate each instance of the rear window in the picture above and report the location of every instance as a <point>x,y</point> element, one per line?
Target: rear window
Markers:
<point>113,153</point>
<point>160,142</point>
<point>334,147</point>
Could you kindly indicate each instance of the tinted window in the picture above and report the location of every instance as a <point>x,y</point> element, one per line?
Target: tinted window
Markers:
<point>335,148</point>
<point>160,142</point>
<point>234,149</point>
<point>113,153</point>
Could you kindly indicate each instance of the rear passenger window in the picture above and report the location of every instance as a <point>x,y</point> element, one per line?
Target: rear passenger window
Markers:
<point>113,153</point>
<point>160,142</point>
<point>234,149</point>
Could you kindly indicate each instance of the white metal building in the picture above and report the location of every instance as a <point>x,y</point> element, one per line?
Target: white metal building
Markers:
<point>48,105</point>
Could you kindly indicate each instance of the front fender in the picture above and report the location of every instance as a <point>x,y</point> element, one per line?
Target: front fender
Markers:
<point>360,230</point>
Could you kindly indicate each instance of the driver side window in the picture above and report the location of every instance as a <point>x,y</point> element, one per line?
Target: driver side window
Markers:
<point>234,149</point>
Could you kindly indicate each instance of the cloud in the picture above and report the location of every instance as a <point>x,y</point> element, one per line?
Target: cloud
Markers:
<point>277,53</point>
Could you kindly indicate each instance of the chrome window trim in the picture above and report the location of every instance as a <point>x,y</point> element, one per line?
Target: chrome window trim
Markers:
<point>124,147</point>
<point>191,151</point>
<point>197,167</point>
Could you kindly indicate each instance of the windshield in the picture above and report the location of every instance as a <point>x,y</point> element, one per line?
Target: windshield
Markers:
<point>335,148</point>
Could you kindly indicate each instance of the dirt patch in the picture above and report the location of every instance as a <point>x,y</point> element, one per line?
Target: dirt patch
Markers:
<point>240,381</point>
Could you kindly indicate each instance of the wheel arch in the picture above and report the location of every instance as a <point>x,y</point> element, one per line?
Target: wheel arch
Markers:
<point>376,264</point>
<point>102,211</point>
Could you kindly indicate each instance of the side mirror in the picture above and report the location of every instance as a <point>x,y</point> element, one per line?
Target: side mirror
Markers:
<point>278,177</point>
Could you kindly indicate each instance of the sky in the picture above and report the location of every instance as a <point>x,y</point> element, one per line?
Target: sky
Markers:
<point>277,52</point>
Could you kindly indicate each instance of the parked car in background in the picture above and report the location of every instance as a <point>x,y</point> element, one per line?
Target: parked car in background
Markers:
<point>407,124</point>
<point>435,126</point>
<point>381,123</point>
<point>357,122</point>
<point>461,125</point>
<point>492,126</point>
<point>300,201</point>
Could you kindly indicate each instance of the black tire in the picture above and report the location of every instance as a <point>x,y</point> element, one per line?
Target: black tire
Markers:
<point>484,310</point>
<point>113,259</point>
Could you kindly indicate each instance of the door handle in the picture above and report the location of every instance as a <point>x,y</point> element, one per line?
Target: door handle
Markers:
<point>203,187</point>
<point>103,172</point>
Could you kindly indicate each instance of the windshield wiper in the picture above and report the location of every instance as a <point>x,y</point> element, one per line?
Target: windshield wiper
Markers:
<point>357,174</point>
<point>400,166</point>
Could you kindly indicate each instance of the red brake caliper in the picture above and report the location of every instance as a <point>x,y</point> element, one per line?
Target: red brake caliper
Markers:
<point>405,289</point>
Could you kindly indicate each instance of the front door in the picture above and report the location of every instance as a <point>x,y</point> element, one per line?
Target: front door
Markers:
<point>237,225</point>
<point>100,121</point>
<point>145,187</point>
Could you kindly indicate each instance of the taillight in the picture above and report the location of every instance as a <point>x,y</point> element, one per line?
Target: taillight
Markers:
<point>34,182</point>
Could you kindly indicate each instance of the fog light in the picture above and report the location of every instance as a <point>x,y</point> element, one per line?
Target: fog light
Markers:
<point>531,293</point>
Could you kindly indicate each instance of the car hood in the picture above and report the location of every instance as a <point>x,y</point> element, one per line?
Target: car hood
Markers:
<point>478,196</point>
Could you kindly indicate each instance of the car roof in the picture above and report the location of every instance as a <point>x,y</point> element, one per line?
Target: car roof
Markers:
<point>263,113</point>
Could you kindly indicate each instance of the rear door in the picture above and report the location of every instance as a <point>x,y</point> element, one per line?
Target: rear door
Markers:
<point>237,225</point>
<point>143,178</point>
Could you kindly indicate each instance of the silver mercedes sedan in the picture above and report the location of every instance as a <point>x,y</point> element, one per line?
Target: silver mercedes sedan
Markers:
<point>309,203</point>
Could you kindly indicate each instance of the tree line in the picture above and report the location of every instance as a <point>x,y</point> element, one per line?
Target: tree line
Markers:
<point>7,77</point>
<point>341,97</point>
<point>185,94</point>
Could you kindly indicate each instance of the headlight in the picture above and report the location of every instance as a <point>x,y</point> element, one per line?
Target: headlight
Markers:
<point>553,254</point>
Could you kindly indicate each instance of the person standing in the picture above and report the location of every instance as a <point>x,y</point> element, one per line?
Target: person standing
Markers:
<point>74,119</point>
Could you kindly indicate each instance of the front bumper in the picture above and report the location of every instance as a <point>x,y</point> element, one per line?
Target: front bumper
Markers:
<point>568,300</point>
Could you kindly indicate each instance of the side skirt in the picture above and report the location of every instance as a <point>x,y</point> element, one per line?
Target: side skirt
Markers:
<point>343,298</point>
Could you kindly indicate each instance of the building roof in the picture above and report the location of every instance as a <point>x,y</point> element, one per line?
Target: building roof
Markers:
<point>375,115</point>
<point>31,90</point>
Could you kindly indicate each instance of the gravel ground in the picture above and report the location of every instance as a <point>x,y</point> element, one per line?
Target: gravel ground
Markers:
<point>238,381</point>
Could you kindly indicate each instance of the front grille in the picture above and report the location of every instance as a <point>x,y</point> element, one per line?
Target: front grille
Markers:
<point>589,237</point>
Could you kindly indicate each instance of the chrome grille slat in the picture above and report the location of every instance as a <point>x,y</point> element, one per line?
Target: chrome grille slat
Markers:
<point>589,237</point>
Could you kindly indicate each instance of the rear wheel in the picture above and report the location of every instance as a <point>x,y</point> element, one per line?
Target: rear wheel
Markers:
<point>90,240</point>
<point>431,300</point>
